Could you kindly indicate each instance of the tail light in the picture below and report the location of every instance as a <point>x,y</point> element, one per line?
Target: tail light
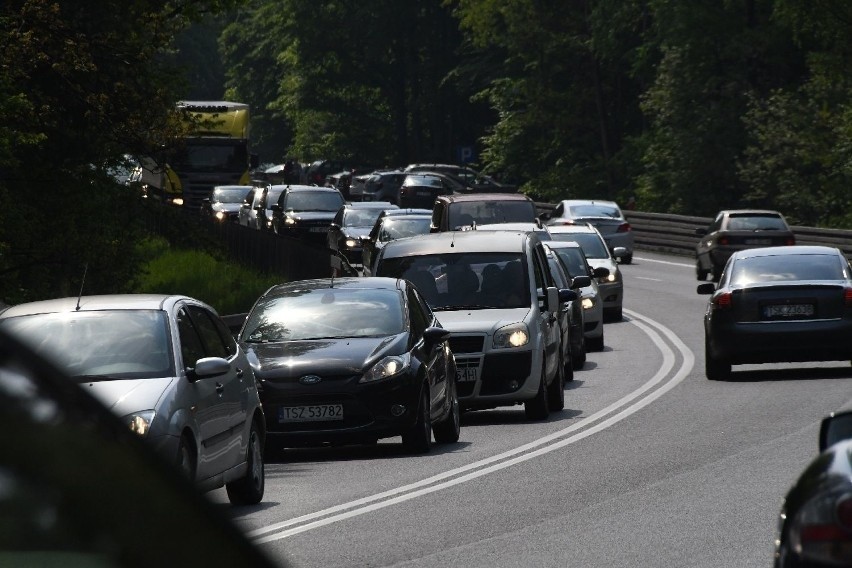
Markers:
<point>847,296</point>
<point>723,241</point>
<point>722,301</point>
<point>822,530</point>
<point>623,228</point>
<point>790,241</point>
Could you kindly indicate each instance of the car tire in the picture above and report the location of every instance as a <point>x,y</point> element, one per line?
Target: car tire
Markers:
<point>700,273</point>
<point>614,314</point>
<point>578,356</point>
<point>556,389</point>
<point>447,431</point>
<point>715,368</point>
<point>249,489</point>
<point>185,458</point>
<point>627,259</point>
<point>568,368</point>
<point>536,408</point>
<point>595,343</point>
<point>417,439</point>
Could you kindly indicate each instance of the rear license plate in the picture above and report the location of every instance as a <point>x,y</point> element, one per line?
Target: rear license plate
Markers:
<point>465,374</point>
<point>318,229</point>
<point>788,310</point>
<point>758,241</point>
<point>314,413</point>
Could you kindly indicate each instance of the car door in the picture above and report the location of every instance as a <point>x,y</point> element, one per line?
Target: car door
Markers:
<point>432,356</point>
<point>548,322</point>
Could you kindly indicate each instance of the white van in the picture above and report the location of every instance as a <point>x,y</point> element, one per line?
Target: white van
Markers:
<point>493,290</point>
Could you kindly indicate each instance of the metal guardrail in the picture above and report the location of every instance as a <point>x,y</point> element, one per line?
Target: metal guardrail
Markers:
<point>675,234</point>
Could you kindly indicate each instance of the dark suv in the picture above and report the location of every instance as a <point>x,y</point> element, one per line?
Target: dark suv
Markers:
<point>305,211</point>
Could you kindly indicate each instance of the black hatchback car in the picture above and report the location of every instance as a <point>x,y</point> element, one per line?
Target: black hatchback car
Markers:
<point>352,360</point>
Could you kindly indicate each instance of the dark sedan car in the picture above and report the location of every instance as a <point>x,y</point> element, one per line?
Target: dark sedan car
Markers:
<point>815,523</point>
<point>224,202</point>
<point>352,221</point>
<point>779,304</point>
<point>352,360</point>
<point>420,190</point>
<point>305,211</point>
<point>734,230</point>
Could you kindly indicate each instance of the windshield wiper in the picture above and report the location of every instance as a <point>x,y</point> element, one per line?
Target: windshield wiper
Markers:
<point>463,307</point>
<point>96,378</point>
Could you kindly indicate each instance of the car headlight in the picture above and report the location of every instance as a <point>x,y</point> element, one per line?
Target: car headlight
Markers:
<point>220,215</point>
<point>140,422</point>
<point>514,335</point>
<point>289,221</point>
<point>350,243</point>
<point>386,368</point>
<point>588,303</point>
<point>820,530</point>
<point>613,276</point>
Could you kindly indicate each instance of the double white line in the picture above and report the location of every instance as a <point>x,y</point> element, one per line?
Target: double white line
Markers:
<point>663,381</point>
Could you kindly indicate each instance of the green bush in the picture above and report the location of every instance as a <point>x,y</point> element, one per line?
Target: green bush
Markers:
<point>228,287</point>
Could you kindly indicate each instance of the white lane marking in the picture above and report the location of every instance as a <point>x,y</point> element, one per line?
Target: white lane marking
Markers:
<point>483,467</point>
<point>664,262</point>
<point>651,279</point>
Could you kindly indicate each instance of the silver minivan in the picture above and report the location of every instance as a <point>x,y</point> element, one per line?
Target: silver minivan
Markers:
<point>494,292</point>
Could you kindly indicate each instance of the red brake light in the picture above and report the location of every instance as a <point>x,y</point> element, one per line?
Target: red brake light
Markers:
<point>623,228</point>
<point>847,296</point>
<point>723,241</point>
<point>823,533</point>
<point>790,241</point>
<point>723,300</point>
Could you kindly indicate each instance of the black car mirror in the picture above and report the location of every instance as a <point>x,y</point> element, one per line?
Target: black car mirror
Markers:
<point>600,272</point>
<point>619,252</point>
<point>706,289</point>
<point>545,216</point>
<point>567,295</point>
<point>835,428</point>
<point>581,282</point>
<point>435,335</point>
<point>276,208</point>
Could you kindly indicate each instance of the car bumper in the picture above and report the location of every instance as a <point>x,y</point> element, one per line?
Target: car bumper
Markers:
<point>782,341</point>
<point>612,294</point>
<point>494,378</point>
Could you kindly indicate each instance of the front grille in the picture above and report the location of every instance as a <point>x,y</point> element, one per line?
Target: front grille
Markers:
<point>466,343</point>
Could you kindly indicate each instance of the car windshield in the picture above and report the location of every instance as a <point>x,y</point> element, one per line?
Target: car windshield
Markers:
<point>573,261</point>
<point>361,217</point>
<point>595,210</point>
<point>786,267</point>
<point>230,195</point>
<point>753,222</point>
<point>593,246</point>
<point>324,314</point>
<point>422,181</point>
<point>314,201</point>
<point>114,344</point>
<point>476,280</point>
<point>272,197</point>
<point>465,213</point>
<point>398,228</point>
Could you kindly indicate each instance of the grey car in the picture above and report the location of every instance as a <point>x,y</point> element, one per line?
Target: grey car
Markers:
<point>169,368</point>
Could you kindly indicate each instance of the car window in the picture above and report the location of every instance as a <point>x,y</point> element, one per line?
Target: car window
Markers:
<point>573,261</point>
<point>398,228</point>
<point>465,213</point>
<point>753,222</point>
<point>595,210</point>
<point>191,347</point>
<point>786,267</point>
<point>361,217</point>
<point>213,341</point>
<point>419,322</point>
<point>592,244</point>
<point>313,201</point>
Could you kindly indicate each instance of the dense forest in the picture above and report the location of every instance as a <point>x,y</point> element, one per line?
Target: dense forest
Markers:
<point>687,105</point>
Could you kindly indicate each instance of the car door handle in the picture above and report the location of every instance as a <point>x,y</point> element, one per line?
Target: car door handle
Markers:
<point>220,388</point>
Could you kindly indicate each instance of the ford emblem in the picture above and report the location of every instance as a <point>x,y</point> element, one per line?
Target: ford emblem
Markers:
<point>310,379</point>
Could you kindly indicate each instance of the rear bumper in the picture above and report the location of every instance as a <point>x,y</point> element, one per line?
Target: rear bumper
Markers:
<point>783,341</point>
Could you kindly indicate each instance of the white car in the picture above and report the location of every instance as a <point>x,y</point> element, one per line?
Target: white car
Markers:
<point>605,216</point>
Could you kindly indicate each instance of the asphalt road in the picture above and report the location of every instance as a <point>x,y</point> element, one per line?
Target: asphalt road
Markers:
<point>649,465</point>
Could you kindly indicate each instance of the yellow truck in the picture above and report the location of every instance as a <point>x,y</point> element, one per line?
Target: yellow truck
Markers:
<point>215,152</point>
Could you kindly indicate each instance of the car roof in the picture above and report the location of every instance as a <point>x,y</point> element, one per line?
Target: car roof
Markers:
<point>578,228</point>
<point>484,197</point>
<point>749,212</point>
<point>589,202</point>
<point>234,187</point>
<point>405,217</point>
<point>303,188</point>
<point>94,303</point>
<point>385,205</point>
<point>406,211</point>
<point>563,244</point>
<point>347,283</point>
<point>791,250</point>
<point>459,242</point>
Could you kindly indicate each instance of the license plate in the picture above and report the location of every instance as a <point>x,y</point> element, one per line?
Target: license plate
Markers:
<point>758,241</point>
<point>318,229</point>
<point>465,374</point>
<point>314,413</point>
<point>788,310</point>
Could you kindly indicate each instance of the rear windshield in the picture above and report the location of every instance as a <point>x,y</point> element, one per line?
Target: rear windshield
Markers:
<point>756,223</point>
<point>596,210</point>
<point>361,217</point>
<point>593,246</point>
<point>464,280</point>
<point>399,228</point>
<point>787,267</point>
<point>315,201</point>
<point>464,214</point>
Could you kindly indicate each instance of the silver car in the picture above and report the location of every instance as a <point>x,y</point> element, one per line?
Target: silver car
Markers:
<point>573,260</point>
<point>598,254</point>
<point>605,216</point>
<point>170,369</point>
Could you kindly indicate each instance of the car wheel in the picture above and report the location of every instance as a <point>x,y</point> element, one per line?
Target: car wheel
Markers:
<point>536,408</point>
<point>249,489</point>
<point>448,430</point>
<point>595,343</point>
<point>186,457</point>
<point>700,273</point>
<point>715,368</point>
<point>418,438</point>
<point>578,357</point>
<point>568,367</point>
<point>614,314</point>
<point>627,259</point>
<point>556,390</point>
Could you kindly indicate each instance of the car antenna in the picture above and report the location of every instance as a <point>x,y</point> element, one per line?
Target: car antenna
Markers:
<point>83,283</point>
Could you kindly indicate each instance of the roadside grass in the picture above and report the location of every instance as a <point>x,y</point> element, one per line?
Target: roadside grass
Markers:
<point>227,286</point>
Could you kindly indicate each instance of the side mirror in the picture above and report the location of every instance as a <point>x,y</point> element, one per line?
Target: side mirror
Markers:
<point>364,239</point>
<point>545,216</point>
<point>208,367</point>
<point>333,226</point>
<point>834,428</point>
<point>619,252</point>
<point>706,289</point>
<point>553,303</point>
<point>434,335</point>
<point>567,295</point>
<point>581,282</point>
<point>600,272</point>
<point>276,208</point>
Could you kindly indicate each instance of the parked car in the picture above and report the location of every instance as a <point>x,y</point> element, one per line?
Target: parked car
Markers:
<point>457,212</point>
<point>81,489</point>
<point>352,360</point>
<point>420,190</point>
<point>573,260</point>
<point>169,367</point>
<point>224,202</point>
<point>471,180</point>
<point>605,216</point>
<point>778,304</point>
<point>247,214</point>
<point>611,285</point>
<point>383,186</point>
<point>493,291</point>
<point>305,211</point>
<point>815,516</point>
<point>352,221</point>
<point>738,229</point>
<point>571,313</point>
<point>392,224</point>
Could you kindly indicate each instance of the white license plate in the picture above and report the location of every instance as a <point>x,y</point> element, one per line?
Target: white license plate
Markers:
<point>314,413</point>
<point>788,310</point>
<point>465,374</point>
<point>318,229</point>
<point>758,241</point>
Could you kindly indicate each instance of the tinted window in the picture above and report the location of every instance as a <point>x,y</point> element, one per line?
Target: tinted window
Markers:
<point>229,195</point>
<point>573,261</point>
<point>313,201</point>
<point>593,246</point>
<point>215,347</point>
<point>787,267</point>
<point>398,228</point>
<point>595,210</point>
<point>419,321</point>
<point>753,222</point>
<point>191,347</point>
<point>465,213</point>
<point>361,217</point>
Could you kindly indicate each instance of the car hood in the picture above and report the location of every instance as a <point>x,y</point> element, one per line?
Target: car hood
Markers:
<point>293,359</point>
<point>469,321</point>
<point>356,232</point>
<point>124,396</point>
<point>226,207</point>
